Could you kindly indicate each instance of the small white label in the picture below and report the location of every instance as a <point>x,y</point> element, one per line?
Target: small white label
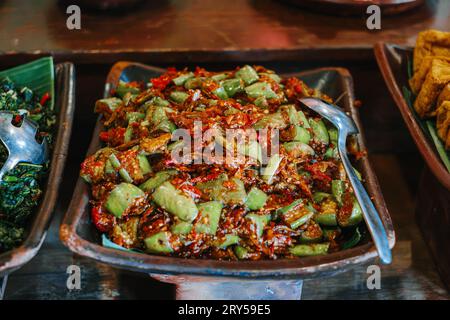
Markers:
<point>74,279</point>
<point>374,278</point>
<point>373,22</point>
<point>73,22</point>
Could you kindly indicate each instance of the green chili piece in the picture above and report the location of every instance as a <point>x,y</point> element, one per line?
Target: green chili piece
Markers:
<point>289,207</point>
<point>320,196</point>
<point>303,120</point>
<point>240,252</point>
<point>260,221</point>
<point>338,189</point>
<point>157,180</point>
<point>181,79</point>
<point>194,83</point>
<point>160,102</point>
<point>178,96</point>
<point>175,202</point>
<point>358,174</point>
<point>220,76</point>
<point>293,115</point>
<point>232,86</point>
<point>128,136</point>
<point>353,241</point>
<point>327,214</point>
<point>273,76</point>
<point>144,165</point>
<point>333,134</point>
<point>331,153</point>
<point>251,149</point>
<point>261,102</point>
<point>116,165</point>
<point>237,195</point>
<point>181,228</point>
<point>302,135</point>
<point>135,116</point>
<point>123,88</point>
<point>177,145</point>
<point>110,103</point>
<point>331,233</point>
<point>109,168</point>
<point>210,216</point>
<point>271,169</point>
<point>159,243</point>
<point>313,233</point>
<point>221,93</point>
<point>121,197</point>
<point>230,239</point>
<point>298,149</point>
<point>248,74</point>
<point>354,218</point>
<point>306,250</point>
<point>260,89</point>
<point>274,120</point>
<point>320,131</point>
<point>304,218</point>
<point>256,199</point>
<point>326,219</point>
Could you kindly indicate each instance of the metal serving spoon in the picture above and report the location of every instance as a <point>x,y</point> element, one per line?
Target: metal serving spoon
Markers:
<point>346,127</point>
<point>20,142</point>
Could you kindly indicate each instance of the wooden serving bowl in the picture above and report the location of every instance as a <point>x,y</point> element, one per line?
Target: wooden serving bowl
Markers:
<point>80,236</point>
<point>433,200</point>
<point>393,63</point>
<point>64,93</point>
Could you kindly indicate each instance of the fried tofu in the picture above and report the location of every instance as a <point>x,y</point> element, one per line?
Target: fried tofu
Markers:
<point>419,77</point>
<point>437,78</point>
<point>443,121</point>
<point>431,43</point>
<point>444,95</point>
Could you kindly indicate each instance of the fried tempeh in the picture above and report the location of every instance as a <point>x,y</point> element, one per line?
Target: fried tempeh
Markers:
<point>435,81</point>
<point>431,43</point>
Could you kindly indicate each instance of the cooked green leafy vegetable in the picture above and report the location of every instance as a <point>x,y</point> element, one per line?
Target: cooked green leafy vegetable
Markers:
<point>20,189</point>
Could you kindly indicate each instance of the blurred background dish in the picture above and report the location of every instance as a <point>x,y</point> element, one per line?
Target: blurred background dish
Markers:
<point>103,5</point>
<point>356,7</point>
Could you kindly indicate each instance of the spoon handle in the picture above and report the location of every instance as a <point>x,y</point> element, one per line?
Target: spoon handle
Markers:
<point>370,214</point>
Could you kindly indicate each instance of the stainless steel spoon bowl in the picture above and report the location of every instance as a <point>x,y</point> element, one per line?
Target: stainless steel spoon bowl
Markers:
<point>20,142</point>
<point>346,127</point>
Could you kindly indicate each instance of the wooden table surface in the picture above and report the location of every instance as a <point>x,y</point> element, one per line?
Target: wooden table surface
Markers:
<point>218,36</point>
<point>163,29</point>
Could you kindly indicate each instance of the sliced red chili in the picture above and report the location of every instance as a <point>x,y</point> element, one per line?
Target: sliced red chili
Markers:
<point>45,98</point>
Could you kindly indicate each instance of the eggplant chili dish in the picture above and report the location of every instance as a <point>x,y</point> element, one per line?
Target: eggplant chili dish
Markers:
<point>156,193</point>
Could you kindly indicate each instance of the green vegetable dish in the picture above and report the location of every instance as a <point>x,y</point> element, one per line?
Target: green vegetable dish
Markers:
<point>296,202</point>
<point>20,188</point>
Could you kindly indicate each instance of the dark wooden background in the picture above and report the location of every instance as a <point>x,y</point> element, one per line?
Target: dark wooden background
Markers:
<point>221,34</point>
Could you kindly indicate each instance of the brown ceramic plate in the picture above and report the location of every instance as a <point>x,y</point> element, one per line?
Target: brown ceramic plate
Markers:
<point>65,104</point>
<point>393,62</point>
<point>81,237</point>
<point>354,7</point>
